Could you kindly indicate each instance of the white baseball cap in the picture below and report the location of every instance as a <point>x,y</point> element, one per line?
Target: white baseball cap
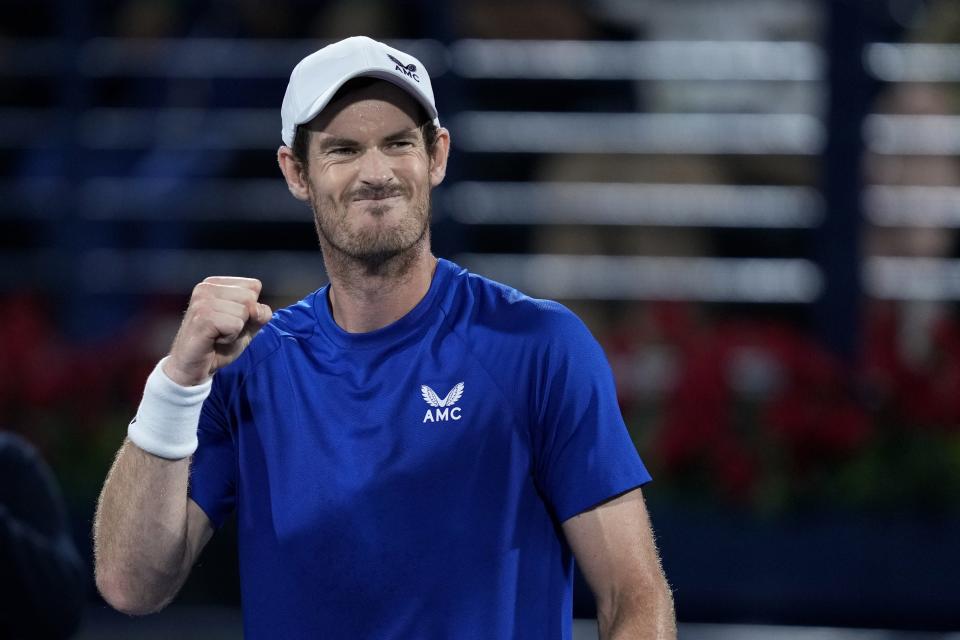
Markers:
<point>317,78</point>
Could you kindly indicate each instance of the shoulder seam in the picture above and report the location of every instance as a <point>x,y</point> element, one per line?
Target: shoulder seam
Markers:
<point>493,379</point>
<point>242,379</point>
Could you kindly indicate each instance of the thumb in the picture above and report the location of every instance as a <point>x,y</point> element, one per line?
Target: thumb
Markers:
<point>264,313</point>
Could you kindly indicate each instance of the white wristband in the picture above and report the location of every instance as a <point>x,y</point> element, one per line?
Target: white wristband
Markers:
<point>166,422</point>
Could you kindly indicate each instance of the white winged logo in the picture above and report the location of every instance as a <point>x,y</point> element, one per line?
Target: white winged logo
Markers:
<point>431,398</point>
<point>442,411</point>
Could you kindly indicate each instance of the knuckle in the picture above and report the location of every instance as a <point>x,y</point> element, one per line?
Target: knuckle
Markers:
<point>200,305</point>
<point>198,319</point>
<point>205,313</point>
<point>203,290</point>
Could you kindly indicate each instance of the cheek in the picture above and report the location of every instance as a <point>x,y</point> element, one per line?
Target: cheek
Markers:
<point>417,177</point>
<point>330,183</point>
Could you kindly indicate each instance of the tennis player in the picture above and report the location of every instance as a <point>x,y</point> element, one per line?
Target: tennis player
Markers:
<point>413,450</point>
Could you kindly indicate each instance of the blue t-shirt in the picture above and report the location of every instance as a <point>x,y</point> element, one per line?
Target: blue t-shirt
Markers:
<point>410,482</point>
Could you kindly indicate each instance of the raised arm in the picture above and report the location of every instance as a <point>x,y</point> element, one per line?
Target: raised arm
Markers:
<point>614,547</point>
<point>147,532</point>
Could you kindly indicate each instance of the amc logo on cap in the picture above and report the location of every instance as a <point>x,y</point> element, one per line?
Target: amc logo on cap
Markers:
<point>408,70</point>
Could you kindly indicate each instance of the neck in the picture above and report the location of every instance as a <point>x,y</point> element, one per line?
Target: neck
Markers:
<point>364,299</point>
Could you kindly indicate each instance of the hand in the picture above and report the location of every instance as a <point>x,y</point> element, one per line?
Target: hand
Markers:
<point>221,320</point>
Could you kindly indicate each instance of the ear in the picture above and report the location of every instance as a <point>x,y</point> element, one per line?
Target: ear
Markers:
<point>293,173</point>
<point>438,161</point>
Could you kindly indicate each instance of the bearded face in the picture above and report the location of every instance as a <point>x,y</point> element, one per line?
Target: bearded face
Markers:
<point>373,223</point>
<point>369,177</point>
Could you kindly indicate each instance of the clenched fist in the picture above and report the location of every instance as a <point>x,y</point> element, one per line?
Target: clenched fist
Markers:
<point>221,320</point>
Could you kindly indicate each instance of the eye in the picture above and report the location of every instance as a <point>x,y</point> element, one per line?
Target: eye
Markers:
<point>341,151</point>
<point>401,144</point>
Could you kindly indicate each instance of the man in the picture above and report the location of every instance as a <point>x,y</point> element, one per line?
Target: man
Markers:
<point>413,451</point>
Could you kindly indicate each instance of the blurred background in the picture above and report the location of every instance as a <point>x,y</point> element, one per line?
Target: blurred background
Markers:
<point>752,203</point>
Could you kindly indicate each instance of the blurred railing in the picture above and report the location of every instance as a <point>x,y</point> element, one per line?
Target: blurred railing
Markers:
<point>781,82</point>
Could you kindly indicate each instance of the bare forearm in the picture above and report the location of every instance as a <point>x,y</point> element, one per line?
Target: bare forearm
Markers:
<point>140,530</point>
<point>647,618</point>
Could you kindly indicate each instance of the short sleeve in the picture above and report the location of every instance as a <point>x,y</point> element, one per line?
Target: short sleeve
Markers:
<point>213,470</point>
<point>583,452</point>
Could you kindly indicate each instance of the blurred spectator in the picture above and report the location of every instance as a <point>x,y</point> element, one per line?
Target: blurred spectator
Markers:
<point>42,577</point>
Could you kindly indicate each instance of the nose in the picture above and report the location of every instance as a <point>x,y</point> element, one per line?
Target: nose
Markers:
<point>374,168</point>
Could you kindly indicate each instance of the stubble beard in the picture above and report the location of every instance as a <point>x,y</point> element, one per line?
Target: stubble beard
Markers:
<point>380,252</point>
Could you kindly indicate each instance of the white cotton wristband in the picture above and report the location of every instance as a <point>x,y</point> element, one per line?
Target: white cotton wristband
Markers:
<point>166,422</point>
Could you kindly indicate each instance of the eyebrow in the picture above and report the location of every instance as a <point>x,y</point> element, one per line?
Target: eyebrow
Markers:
<point>400,135</point>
